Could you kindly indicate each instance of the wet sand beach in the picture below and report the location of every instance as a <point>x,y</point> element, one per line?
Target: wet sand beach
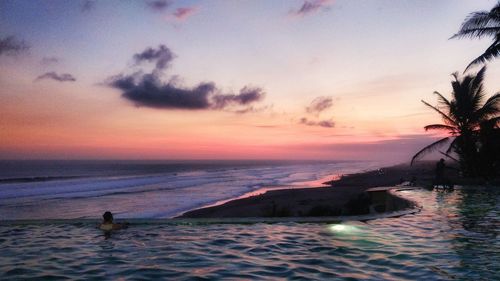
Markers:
<point>344,196</point>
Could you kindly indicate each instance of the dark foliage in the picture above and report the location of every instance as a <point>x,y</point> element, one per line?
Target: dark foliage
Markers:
<point>471,122</point>
<point>483,24</point>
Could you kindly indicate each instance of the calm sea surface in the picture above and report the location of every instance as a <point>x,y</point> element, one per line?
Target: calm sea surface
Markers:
<point>455,237</point>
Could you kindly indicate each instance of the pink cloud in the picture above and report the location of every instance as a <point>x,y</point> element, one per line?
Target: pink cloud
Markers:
<point>184,12</point>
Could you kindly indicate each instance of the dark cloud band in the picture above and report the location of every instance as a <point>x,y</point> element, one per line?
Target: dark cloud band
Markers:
<point>63,77</point>
<point>162,56</point>
<point>49,60</point>
<point>184,12</point>
<point>87,5</point>
<point>148,89</point>
<point>158,5</point>
<point>319,104</point>
<point>246,96</point>
<point>321,123</point>
<point>310,7</point>
<point>10,45</point>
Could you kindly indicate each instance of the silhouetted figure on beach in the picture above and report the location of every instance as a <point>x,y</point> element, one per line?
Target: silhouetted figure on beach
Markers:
<point>440,170</point>
<point>108,225</point>
<point>441,180</point>
<point>413,181</point>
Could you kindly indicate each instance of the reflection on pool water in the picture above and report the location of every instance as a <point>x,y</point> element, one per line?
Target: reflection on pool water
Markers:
<point>346,228</point>
<point>454,237</point>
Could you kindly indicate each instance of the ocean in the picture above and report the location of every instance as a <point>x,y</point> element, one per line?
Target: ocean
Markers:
<point>147,189</point>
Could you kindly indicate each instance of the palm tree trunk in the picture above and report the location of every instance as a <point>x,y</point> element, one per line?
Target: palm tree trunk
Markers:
<point>468,155</point>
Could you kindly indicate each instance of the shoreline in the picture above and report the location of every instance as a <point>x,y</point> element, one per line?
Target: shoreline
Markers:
<point>347,195</point>
<point>267,188</point>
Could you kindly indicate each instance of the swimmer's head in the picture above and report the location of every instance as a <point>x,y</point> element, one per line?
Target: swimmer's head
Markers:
<point>107,216</point>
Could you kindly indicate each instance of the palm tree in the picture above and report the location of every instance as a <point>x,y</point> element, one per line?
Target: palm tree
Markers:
<point>483,24</point>
<point>463,117</point>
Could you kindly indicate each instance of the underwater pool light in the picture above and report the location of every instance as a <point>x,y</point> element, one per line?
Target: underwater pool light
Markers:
<point>344,228</point>
<point>338,227</point>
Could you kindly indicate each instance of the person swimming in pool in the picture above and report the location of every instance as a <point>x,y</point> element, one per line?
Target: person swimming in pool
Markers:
<point>108,225</point>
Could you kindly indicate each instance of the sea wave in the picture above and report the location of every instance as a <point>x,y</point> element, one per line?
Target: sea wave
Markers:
<point>154,195</point>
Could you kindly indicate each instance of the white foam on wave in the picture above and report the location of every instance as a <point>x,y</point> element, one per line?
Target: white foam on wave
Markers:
<point>152,196</point>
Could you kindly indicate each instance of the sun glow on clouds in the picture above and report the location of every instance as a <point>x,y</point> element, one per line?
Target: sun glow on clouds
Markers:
<point>50,122</point>
<point>358,102</point>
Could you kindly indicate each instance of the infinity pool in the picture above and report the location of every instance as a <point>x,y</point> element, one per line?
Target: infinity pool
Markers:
<point>455,237</point>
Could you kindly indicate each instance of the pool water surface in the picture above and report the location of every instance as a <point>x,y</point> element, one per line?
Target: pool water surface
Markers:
<point>454,237</point>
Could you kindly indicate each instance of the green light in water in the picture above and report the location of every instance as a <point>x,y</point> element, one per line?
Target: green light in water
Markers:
<point>338,227</point>
<point>343,228</point>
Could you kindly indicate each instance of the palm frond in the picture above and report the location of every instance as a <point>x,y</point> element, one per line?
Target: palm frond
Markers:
<point>428,149</point>
<point>441,127</point>
<point>491,108</point>
<point>496,122</point>
<point>484,115</point>
<point>443,115</point>
<point>453,144</point>
<point>490,53</point>
<point>457,88</point>
<point>476,99</point>
<point>449,156</point>
<point>442,99</point>
<point>478,24</point>
<point>477,81</point>
<point>491,123</point>
<point>493,101</point>
<point>475,24</point>
<point>476,32</point>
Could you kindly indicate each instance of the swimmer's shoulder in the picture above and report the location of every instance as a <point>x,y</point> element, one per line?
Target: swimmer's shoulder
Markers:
<point>112,226</point>
<point>106,226</point>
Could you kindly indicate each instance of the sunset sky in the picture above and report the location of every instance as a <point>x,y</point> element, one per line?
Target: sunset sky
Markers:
<point>252,79</point>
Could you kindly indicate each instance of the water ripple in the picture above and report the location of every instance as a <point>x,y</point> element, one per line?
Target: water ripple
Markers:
<point>452,238</point>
